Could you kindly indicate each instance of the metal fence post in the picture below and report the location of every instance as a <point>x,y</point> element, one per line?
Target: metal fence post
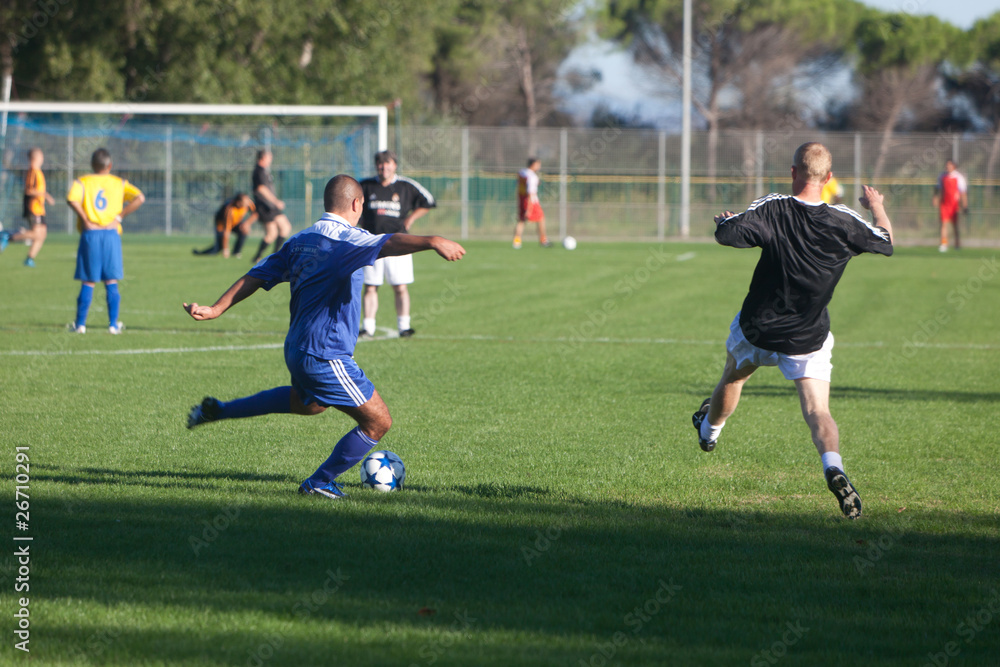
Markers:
<point>465,183</point>
<point>168,189</point>
<point>69,177</point>
<point>858,176</point>
<point>661,188</point>
<point>563,162</point>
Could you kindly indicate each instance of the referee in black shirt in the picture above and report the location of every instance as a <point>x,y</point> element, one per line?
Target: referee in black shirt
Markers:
<point>805,246</point>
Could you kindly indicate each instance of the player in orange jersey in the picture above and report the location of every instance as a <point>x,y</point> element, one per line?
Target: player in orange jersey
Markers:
<point>952,192</point>
<point>35,198</point>
<point>236,215</point>
<point>529,209</point>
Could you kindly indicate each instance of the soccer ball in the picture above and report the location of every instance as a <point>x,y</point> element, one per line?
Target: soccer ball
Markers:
<point>569,243</point>
<point>383,471</point>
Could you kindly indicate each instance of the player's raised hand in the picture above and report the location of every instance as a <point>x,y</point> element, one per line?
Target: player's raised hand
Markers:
<point>871,197</point>
<point>450,250</point>
<point>200,312</point>
<point>722,216</point>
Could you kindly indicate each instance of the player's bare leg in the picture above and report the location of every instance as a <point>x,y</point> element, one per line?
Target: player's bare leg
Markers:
<point>402,295</point>
<point>518,231</point>
<point>283,229</point>
<point>814,396</point>
<point>370,305</point>
<point>373,416</point>
<point>726,395</point>
<point>714,411</point>
<point>542,236</point>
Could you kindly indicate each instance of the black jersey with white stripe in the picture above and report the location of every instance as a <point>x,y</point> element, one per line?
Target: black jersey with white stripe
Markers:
<point>804,250</point>
<point>386,206</point>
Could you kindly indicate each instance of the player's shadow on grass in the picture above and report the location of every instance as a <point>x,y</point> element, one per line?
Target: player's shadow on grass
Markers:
<point>875,393</point>
<point>553,580</point>
<point>142,477</point>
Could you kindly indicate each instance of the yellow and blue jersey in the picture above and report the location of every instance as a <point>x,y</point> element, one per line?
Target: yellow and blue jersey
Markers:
<point>102,197</point>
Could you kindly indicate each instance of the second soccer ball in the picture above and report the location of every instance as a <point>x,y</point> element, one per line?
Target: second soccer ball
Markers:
<point>569,243</point>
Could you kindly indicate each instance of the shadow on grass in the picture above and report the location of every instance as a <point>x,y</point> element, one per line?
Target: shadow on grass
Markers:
<point>141,477</point>
<point>897,395</point>
<point>532,581</point>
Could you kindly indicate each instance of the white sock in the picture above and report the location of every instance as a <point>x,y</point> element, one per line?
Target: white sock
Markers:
<point>708,432</point>
<point>832,460</point>
<point>404,322</point>
<point>368,324</point>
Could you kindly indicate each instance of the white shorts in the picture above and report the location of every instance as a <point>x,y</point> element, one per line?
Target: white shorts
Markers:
<point>397,270</point>
<point>816,365</point>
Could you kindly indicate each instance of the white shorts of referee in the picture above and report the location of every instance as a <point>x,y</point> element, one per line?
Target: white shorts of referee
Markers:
<point>817,365</point>
<point>397,270</point>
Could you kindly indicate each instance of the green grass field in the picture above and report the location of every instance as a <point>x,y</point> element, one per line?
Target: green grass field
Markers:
<point>558,508</point>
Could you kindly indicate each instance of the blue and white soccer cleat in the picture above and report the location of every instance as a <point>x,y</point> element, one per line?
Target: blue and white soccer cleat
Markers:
<point>329,489</point>
<point>30,263</point>
<point>117,328</point>
<point>208,411</point>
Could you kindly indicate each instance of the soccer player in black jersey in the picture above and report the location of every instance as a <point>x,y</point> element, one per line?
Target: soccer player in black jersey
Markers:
<point>392,204</point>
<point>270,209</point>
<point>805,246</point>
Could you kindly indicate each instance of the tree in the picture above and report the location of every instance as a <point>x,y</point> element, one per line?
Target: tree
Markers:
<point>898,72</point>
<point>982,81</point>
<point>745,53</point>
<point>496,63</point>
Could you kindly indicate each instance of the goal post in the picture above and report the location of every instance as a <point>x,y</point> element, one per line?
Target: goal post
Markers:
<point>185,166</point>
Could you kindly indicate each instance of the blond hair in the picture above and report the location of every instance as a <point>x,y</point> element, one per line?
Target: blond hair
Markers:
<point>813,162</point>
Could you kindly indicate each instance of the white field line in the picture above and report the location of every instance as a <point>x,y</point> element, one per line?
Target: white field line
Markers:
<point>473,338</point>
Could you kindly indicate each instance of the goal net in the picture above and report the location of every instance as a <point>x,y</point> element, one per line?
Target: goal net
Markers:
<point>188,158</point>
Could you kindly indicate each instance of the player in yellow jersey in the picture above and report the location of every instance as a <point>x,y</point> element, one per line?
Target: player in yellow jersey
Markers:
<point>833,191</point>
<point>101,202</point>
<point>35,197</point>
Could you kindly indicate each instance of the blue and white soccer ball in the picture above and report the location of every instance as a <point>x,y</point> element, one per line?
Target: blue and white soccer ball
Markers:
<point>383,471</point>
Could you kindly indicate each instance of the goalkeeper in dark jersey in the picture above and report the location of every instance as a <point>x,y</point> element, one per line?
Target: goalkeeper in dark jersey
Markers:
<point>805,246</point>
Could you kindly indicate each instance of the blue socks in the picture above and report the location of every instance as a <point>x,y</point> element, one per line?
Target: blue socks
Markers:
<point>83,304</point>
<point>351,449</point>
<point>114,299</point>
<point>272,401</point>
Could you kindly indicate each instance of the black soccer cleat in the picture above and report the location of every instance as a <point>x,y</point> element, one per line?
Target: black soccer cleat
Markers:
<point>697,418</point>
<point>406,333</point>
<point>847,495</point>
<point>208,411</point>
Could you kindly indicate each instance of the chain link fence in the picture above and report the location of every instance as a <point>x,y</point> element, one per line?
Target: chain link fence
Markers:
<point>605,183</point>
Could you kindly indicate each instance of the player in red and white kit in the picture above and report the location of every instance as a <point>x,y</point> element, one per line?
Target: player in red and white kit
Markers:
<point>529,209</point>
<point>952,192</point>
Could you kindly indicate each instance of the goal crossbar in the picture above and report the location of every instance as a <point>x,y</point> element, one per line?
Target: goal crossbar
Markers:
<point>380,112</point>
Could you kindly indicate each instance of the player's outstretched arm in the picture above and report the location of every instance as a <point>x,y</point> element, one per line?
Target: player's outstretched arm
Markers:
<point>240,290</point>
<point>872,200</point>
<point>405,244</point>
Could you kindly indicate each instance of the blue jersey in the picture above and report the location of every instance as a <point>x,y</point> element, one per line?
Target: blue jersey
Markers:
<point>322,265</point>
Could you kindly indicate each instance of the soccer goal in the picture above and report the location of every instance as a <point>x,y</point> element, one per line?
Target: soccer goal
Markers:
<point>188,158</point>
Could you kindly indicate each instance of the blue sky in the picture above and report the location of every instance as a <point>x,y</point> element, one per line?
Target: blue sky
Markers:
<point>625,89</point>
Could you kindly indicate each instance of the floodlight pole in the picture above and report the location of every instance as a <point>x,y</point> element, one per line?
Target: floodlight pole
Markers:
<point>686,126</point>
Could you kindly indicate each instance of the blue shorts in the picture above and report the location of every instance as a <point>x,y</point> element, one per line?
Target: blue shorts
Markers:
<point>99,256</point>
<point>328,382</point>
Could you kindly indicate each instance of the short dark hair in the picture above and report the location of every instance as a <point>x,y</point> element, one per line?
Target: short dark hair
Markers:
<point>531,161</point>
<point>384,156</point>
<point>32,151</point>
<point>100,160</point>
<point>340,192</point>
<point>261,153</point>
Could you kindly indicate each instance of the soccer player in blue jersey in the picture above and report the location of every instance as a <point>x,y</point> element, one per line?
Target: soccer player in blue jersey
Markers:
<point>322,265</point>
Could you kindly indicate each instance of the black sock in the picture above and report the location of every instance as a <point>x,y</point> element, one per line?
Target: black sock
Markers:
<point>240,238</point>
<point>278,242</point>
<point>261,250</point>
